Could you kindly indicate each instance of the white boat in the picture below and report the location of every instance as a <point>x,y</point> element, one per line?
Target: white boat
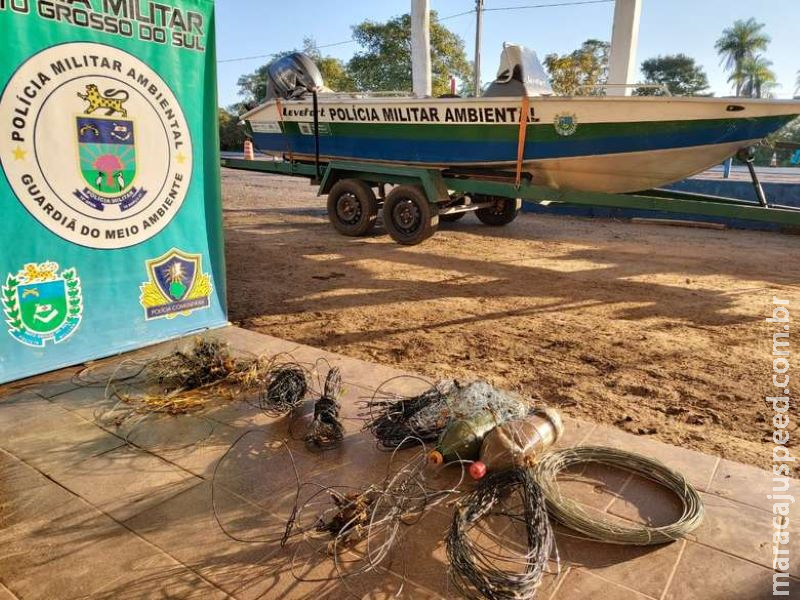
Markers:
<point>597,143</point>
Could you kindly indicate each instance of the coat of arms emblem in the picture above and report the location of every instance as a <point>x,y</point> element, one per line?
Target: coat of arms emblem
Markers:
<point>41,304</point>
<point>176,286</point>
<point>107,150</point>
<point>566,124</point>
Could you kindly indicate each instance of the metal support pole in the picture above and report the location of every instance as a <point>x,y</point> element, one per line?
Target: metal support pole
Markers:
<point>478,31</point>
<point>421,47</point>
<point>726,168</point>
<point>748,156</point>
<point>316,132</point>
<point>622,67</point>
<point>762,198</point>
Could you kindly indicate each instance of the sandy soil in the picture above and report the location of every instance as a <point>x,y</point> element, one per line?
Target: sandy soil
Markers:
<point>658,330</point>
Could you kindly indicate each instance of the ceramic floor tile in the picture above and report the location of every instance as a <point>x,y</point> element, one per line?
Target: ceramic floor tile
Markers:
<point>644,501</point>
<point>748,484</point>
<point>695,466</point>
<point>644,569</point>
<point>707,574</point>
<point>580,584</point>
<point>57,546</point>
<point>185,527</point>
<point>193,441</point>
<point>125,481</point>
<point>90,403</point>
<point>593,485</point>
<point>575,432</point>
<point>52,439</point>
<point>743,531</point>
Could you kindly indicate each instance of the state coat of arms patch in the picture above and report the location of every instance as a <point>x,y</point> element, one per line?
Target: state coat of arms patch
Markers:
<point>42,305</point>
<point>107,153</point>
<point>566,124</point>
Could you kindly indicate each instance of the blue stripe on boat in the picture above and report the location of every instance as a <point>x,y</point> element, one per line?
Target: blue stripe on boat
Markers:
<point>461,152</point>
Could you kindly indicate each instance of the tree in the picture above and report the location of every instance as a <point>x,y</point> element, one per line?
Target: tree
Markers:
<point>334,72</point>
<point>384,64</point>
<point>739,43</point>
<point>231,135</point>
<point>678,72</point>
<point>766,148</point>
<point>580,72</point>
<point>253,86</point>
<point>758,79</point>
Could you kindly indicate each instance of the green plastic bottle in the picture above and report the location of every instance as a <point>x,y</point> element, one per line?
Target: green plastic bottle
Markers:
<point>462,440</point>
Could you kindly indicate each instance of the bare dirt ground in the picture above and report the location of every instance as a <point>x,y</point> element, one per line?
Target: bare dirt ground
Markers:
<point>659,330</point>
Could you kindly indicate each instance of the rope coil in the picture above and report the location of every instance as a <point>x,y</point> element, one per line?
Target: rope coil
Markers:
<point>571,514</point>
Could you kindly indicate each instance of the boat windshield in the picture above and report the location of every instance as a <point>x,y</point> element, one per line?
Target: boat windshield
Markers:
<point>520,73</point>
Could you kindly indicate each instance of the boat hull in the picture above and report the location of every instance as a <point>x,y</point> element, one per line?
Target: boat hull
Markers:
<point>598,144</point>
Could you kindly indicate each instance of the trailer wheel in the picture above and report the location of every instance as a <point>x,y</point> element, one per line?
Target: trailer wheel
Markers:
<point>502,211</point>
<point>408,216</point>
<point>352,207</point>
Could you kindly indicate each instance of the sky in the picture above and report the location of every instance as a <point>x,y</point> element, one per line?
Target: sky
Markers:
<point>248,28</point>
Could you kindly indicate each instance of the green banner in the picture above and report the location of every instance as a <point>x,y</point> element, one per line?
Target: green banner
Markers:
<point>111,231</point>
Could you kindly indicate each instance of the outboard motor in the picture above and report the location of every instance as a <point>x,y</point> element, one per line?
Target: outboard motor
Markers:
<point>292,77</point>
<point>520,74</point>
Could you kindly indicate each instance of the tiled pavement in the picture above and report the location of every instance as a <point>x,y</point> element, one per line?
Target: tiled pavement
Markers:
<point>96,512</point>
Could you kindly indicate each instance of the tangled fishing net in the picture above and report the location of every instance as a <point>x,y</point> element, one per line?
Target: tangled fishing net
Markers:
<point>367,524</point>
<point>395,419</point>
<point>486,559</point>
<point>326,431</point>
<point>185,380</point>
<point>190,380</point>
<point>285,389</point>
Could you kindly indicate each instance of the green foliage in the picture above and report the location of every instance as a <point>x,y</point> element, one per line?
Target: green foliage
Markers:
<point>231,134</point>
<point>758,79</point>
<point>384,64</point>
<point>253,86</point>
<point>767,147</point>
<point>790,133</point>
<point>678,72</point>
<point>574,74</point>
<point>334,71</point>
<point>738,43</point>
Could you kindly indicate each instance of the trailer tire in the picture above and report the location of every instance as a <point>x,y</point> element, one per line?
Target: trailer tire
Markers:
<point>408,216</point>
<point>352,207</point>
<point>503,211</point>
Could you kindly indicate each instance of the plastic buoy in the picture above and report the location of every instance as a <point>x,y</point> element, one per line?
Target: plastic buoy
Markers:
<point>248,150</point>
<point>435,457</point>
<point>477,469</point>
<point>461,440</point>
<point>517,443</point>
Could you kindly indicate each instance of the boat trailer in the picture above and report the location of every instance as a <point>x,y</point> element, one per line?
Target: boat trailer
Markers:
<point>423,196</point>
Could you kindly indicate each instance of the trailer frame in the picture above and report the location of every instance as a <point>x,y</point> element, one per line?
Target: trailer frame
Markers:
<point>451,194</point>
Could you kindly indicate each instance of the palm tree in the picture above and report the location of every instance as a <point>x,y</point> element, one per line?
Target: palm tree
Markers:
<point>738,43</point>
<point>757,77</point>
